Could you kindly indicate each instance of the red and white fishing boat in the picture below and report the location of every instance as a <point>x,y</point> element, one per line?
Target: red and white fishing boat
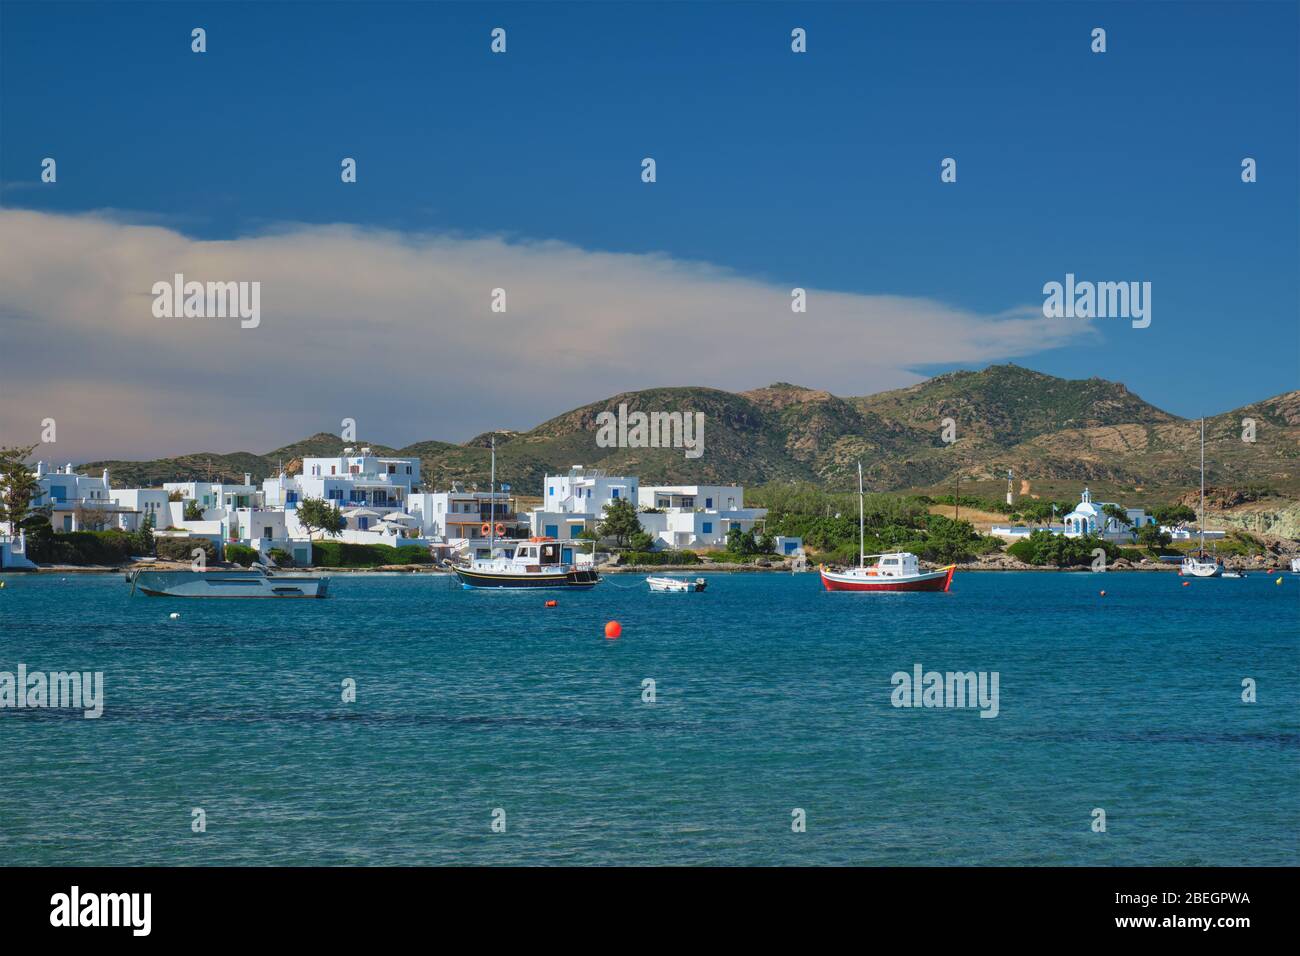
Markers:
<point>895,571</point>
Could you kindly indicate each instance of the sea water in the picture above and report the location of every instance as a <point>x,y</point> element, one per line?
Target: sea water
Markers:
<point>225,736</point>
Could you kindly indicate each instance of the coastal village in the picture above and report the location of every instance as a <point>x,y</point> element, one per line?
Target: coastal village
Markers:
<point>384,500</point>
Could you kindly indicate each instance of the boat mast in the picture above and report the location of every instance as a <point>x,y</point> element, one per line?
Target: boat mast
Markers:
<point>1201,519</point>
<point>492,499</point>
<point>862,537</point>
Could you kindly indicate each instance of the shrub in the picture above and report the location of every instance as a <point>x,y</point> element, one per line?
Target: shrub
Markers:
<point>241,554</point>
<point>1046,548</point>
<point>182,549</point>
<point>281,557</point>
<point>341,554</point>
<point>82,547</point>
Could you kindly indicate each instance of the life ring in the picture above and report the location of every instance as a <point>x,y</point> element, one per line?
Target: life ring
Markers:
<point>501,530</point>
<point>485,530</point>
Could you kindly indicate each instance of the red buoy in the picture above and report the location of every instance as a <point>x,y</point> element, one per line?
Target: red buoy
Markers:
<point>1185,583</point>
<point>612,630</point>
<point>552,603</point>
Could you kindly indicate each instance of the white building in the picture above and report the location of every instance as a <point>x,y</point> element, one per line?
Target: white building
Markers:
<point>1089,517</point>
<point>576,502</point>
<point>150,502</point>
<point>80,502</point>
<point>352,480</point>
<point>696,516</point>
<point>218,496</point>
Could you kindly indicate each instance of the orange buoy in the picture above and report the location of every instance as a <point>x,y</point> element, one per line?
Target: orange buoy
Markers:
<point>612,630</point>
<point>552,603</point>
<point>1185,583</point>
<point>1103,593</point>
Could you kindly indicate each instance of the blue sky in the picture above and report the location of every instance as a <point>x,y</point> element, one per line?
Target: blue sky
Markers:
<point>816,170</point>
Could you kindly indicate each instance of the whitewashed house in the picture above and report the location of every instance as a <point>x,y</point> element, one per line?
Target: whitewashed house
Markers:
<point>144,502</point>
<point>217,495</point>
<point>80,502</point>
<point>696,516</point>
<point>576,502</point>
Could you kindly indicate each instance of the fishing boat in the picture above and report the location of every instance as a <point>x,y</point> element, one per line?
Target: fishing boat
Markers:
<point>255,582</point>
<point>675,585</point>
<point>1199,564</point>
<point>893,571</point>
<point>535,563</point>
<point>525,565</point>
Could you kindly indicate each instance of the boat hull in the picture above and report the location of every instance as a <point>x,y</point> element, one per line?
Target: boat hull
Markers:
<point>568,580</point>
<point>227,584</point>
<point>674,585</point>
<point>929,581</point>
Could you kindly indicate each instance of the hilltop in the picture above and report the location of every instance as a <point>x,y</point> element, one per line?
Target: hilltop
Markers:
<point>1049,431</point>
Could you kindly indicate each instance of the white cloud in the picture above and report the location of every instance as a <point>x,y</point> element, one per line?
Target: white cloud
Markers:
<point>395,331</point>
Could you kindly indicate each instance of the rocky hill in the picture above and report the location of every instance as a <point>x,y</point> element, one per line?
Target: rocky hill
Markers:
<point>1047,430</point>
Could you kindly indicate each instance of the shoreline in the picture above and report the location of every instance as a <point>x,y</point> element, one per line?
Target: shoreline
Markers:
<point>640,569</point>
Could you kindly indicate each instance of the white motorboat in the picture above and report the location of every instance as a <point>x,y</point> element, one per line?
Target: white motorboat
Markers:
<point>255,582</point>
<point>675,585</point>
<point>1233,574</point>
<point>1199,564</point>
<point>1295,565</point>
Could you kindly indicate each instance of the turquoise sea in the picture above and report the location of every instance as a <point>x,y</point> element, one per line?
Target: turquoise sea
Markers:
<point>771,695</point>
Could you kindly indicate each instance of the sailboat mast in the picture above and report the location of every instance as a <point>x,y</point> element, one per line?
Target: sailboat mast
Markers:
<point>1201,519</point>
<point>862,535</point>
<point>492,499</point>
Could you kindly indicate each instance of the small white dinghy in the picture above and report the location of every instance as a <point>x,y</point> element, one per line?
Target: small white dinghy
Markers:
<point>676,584</point>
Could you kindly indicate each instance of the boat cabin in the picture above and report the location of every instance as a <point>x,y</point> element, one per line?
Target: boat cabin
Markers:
<point>896,565</point>
<point>537,554</point>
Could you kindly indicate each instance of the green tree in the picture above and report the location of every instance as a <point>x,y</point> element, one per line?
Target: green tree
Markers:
<point>1037,512</point>
<point>1151,536</point>
<point>640,541</point>
<point>1117,513</point>
<point>318,515</point>
<point>620,521</point>
<point>193,511</point>
<point>18,486</point>
<point>741,542</point>
<point>1171,516</point>
<point>144,542</point>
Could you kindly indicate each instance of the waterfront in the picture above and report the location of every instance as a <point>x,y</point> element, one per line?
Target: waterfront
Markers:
<point>771,694</point>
